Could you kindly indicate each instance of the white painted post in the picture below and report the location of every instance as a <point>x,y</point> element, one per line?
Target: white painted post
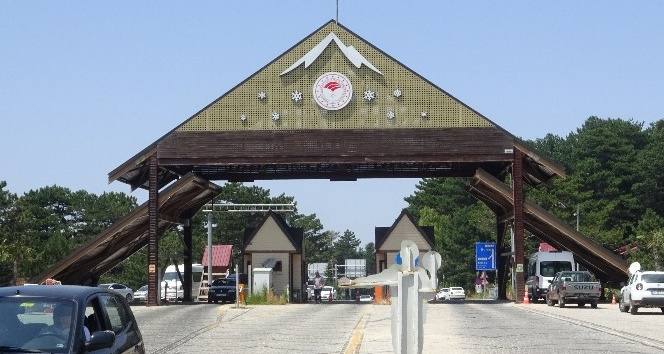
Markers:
<point>413,281</point>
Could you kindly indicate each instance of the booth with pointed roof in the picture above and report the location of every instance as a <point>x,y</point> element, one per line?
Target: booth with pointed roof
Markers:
<point>274,244</point>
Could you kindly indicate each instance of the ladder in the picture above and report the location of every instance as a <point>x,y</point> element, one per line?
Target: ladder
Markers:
<point>205,285</point>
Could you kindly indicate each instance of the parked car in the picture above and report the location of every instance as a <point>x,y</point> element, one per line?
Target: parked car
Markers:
<point>457,293</point>
<point>580,288</point>
<point>141,294</point>
<point>645,289</point>
<point>123,290</point>
<point>222,289</point>
<point>366,298</point>
<point>100,320</point>
<point>443,294</point>
<point>328,292</point>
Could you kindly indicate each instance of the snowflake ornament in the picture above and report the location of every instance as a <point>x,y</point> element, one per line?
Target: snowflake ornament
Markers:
<point>390,114</point>
<point>243,117</point>
<point>397,93</point>
<point>275,116</point>
<point>296,96</point>
<point>262,95</point>
<point>369,95</point>
<point>424,114</point>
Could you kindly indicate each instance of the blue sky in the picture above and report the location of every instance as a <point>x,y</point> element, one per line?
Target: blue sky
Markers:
<point>85,85</point>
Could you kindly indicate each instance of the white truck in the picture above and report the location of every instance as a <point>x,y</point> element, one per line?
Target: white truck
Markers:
<point>172,287</point>
<point>542,266</point>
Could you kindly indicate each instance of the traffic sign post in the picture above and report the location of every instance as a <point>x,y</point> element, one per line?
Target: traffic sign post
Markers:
<point>485,256</point>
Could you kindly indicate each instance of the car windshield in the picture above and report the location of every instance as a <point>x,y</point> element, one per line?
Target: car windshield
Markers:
<point>223,282</point>
<point>37,323</point>
<point>550,268</point>
<point>653,278</point>
<point>457,289</point>
<point>143,288</point>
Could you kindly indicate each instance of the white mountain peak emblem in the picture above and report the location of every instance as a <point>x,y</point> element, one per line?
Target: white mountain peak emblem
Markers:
<point>349,51</point>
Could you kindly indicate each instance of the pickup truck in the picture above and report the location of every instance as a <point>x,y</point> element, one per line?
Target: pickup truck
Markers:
<point>574,287</point>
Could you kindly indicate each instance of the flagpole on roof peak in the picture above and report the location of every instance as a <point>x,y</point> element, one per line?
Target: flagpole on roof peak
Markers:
<point>336,20</point>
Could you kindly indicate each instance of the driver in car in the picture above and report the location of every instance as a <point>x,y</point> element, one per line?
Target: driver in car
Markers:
<point>62,315</point>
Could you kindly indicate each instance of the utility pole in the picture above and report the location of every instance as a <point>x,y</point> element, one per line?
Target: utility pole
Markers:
<point>577,217</point>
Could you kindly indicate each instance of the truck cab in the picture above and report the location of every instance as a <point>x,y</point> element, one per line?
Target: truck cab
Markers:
<point>542,267</point>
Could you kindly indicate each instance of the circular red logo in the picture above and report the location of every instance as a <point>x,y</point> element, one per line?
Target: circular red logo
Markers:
<point>332,91</point>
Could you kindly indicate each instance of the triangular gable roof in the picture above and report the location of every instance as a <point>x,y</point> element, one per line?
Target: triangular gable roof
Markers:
<point>294,235</point>
<point>221,255</point>
<point>278,98</point>
<point>384,233</point>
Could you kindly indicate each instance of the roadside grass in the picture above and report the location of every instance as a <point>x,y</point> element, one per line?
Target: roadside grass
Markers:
<point>266,297</point>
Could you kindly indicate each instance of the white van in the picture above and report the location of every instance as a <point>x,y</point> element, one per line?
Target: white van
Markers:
<point>172,287</point>
<point>542,266</point>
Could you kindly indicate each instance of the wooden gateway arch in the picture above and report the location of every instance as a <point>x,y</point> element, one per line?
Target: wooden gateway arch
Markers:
<point>335,107</point>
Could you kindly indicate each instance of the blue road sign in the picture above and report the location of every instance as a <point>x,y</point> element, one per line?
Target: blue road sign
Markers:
<point>485,256</point>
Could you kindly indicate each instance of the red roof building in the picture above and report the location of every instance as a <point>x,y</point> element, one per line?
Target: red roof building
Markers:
<point>221,259</point>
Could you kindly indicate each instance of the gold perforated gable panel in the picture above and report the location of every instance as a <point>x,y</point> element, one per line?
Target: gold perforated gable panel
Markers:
<point>396,99</point>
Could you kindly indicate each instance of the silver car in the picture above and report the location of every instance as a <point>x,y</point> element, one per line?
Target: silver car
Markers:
<point>123,290</point>
<point>141,294</point>
<point>443,294</point>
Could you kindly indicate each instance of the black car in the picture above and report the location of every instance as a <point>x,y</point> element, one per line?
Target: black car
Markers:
<point>66,319</point>
<point>222,289</point>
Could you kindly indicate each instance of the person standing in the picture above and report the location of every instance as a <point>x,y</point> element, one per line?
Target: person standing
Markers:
<point>318,287</point>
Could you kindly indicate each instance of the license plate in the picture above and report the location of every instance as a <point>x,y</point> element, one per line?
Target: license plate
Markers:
<point>658,292</point>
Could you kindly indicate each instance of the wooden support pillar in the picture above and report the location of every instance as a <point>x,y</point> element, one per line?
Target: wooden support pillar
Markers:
<point>519,237</point>
<point>501,265</point>
<point>153,239</point>
<point>186,284</point>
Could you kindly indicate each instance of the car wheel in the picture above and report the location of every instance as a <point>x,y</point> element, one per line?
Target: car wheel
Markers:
<point>209,300</point>
<point>561,301</point>
<point>662,308</point>
<point>633,309</point>
<point>593,305</point>
<point>581,304</point>
<point>549,302</point>
<point>129,298</point>
<point>622,306</point>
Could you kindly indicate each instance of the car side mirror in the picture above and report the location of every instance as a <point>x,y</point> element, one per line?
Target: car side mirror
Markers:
<point>550,281</point>
<point>100,340</point>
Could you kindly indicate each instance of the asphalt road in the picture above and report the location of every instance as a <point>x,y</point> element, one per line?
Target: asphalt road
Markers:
<point>451,327</point>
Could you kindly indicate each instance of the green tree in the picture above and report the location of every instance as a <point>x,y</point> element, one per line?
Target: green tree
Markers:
<point>346,247</point>
<point>369,255</point>
<point>650,236</point>
<point>459,220</point>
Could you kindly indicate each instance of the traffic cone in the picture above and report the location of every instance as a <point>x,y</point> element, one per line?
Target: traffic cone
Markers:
<point>525,297</point>
<point>613,300</point>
